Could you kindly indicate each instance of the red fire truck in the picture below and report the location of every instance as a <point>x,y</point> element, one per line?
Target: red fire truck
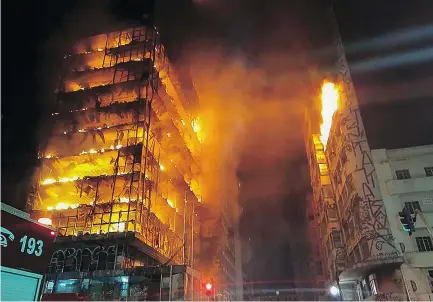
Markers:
<point>26,248</point>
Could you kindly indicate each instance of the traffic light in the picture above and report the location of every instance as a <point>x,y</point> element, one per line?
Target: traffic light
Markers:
<point>208,287</point>
<point>407,221</point>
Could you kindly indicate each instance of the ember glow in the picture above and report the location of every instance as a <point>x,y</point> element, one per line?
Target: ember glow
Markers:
<point>329,98</point>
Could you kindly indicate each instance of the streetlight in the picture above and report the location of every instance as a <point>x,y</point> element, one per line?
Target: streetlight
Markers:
<point>334,290</point>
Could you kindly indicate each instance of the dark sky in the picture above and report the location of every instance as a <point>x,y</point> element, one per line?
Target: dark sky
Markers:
<point>390,50</point>
<point>36,34</point>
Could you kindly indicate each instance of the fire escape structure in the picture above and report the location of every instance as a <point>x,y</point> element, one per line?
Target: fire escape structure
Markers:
<point>123,158</point>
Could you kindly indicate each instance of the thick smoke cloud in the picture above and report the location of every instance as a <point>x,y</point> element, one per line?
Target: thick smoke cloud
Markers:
<point>252,115</point>
<point>250,75</point>
<point>254,80</point>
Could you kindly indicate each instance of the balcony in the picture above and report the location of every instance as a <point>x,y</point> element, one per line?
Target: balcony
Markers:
<point>420,223</point>
<point>425,297</point>
<point>420,259</point>
<point>402,186</point>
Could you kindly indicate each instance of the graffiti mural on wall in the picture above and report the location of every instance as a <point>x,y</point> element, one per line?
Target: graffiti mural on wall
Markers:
<point>377,241</point>
<point>388,297</point>
<point>83,259</point>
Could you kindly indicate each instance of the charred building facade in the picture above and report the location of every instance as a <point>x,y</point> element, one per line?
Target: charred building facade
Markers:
<point>120,175</point>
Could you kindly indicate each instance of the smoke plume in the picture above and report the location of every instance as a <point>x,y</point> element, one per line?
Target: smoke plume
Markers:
<point>251,110</point>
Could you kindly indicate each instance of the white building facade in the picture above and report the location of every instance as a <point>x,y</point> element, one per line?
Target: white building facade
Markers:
<point>405,178</point>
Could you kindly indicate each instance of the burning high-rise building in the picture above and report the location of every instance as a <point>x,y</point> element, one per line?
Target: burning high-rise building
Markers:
<point>120,176</point>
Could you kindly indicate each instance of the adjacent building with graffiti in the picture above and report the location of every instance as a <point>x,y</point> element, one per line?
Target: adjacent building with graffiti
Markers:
<point>360,184</point>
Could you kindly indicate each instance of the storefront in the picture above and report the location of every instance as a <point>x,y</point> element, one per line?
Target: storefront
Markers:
<point>26,248</point>
<point>169,283</point>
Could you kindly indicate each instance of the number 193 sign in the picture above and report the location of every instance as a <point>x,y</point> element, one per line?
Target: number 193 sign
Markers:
<point>31,246</point>
<point>24,243</point>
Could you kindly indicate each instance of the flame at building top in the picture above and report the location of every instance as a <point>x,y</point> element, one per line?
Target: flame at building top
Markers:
<point>329,98</point>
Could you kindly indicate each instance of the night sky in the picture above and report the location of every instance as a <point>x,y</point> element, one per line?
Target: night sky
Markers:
<point>36,34</point>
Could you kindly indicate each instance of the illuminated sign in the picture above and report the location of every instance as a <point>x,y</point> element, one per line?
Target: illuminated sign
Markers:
<point>24,243</point>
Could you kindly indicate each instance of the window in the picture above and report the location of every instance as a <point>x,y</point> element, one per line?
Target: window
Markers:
<point>336,239</point>
<point>428,171</point>
<point>365,287</point>
<point>327,191</point>
<point>412,206</point>
<point>373,283</point>
<point>320,156</point>
<point>331,213</point>
<point>424,244</point>
<point>49,286</point>
<point>323,168</point>
<point>124,287</point>
<point>402,174</point>
<point>67,286</point>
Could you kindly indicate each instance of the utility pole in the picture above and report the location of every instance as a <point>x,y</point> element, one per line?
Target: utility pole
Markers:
<point>192,248</point>
<point>170,290</point>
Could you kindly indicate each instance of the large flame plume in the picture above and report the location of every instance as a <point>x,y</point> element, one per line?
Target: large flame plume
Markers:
<point>329,98</point>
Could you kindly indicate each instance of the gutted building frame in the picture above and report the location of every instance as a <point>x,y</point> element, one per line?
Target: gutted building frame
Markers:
<point>119,177</point>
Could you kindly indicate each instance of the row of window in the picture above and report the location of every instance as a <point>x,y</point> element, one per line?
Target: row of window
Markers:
<point>405,174</point>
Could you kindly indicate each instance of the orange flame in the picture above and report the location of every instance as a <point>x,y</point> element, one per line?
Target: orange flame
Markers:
<point>330,98</point>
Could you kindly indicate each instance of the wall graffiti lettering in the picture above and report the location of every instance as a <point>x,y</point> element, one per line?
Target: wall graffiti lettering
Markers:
<point>414,286</point>
<point>83,259</point>
<point>376,241</point>
<point>402,247</point>
<point>388,297</point>
<point>138,292</point>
